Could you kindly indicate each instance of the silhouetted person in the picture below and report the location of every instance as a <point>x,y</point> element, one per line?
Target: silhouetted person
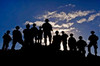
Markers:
<point>72,43</point>
<point>64,40</point>
<point>27,35</point>
<point>47,28</point>
<point>17,37</point>
<point>40,32</point>
<point>34,34</point>
<point>93,42</point>
<point>6,39</point>
<point>56,41</point>
<point>81,44</point>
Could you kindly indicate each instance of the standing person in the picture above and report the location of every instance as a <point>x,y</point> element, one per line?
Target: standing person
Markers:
<point>93,42</point>
<point>17,37</point>
<point>6,39</point>
<point>27,35</point>
<point>40,32</point>
<point>81,44</point>
<point>34,33</point>
<point>47,28</point>
<point>56,41</point>
<point>72,43</point>
<point>64,40</point>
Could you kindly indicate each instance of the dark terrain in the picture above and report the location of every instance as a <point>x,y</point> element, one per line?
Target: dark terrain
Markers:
<point>39,53</point>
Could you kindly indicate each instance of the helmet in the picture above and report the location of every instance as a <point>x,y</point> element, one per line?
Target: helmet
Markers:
<point>71,34</point>
<point>92,32</point>
<point>8,31</point>
<point>63,32</point>
<point>57,32</point>
<point>80,37</point>
<point>46,20</point>
<point>34,24</point>
<point>17,27</point>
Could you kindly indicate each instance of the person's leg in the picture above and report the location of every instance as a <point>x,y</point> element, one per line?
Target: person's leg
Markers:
<point>65,46</point>
<point>3,47</point>
<point>13,46</point>
<point>7,46</point>
<point>95,49</point>
<point>89,48</point>
<point>36,38</point>
<point>45,39</point>
<point>21,42</point>
<point>83,51</point>
<point>50,37</point>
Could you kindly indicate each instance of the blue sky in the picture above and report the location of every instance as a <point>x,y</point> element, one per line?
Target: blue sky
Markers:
<point>72,16</point>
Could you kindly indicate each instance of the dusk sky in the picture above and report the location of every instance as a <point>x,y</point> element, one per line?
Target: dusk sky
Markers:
<point>72,16</point>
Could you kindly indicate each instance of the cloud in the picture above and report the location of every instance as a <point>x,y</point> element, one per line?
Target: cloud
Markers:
<point>39,23</point>
<point>67,25</point>
<point>81,20</point>
<point>61,20</point>
<point>92,17</point>
<point>54,24</point>
<point>64,16</point>
<point>78,14</point>
<point>65,30</point>
<point>27,22</point>
<point>68,5</point>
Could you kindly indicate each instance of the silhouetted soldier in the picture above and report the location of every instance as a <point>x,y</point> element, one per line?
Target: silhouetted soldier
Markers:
<point>56,41</point>
<point>47,28</point>
<point>6,39</point>
<point>72,43</point>
<point>17,37</point>
<point>81,44</point>
<point>40,32</point>
<point>64,40</point>
<point>34,33</point>
<point>27,35</point>
<point>93,42</point>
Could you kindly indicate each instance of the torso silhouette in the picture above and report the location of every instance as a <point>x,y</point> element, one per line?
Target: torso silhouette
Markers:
<point>81,44</point>
<point>47,27</point>
<point>17,35</point>
<point>40,32</point>
<point>34,31</point>
<point>64,38</point>
<point>27,34</point>
<point>56,42</point>
<point>7,38</point>
<point>72,43</point>
<point>57,39</point>
<point>93,38</point>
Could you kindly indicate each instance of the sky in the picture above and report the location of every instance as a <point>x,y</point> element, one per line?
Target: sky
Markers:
<point>72,16</point>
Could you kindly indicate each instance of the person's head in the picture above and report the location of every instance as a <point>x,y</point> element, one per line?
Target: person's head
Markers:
<point>92,32</point>
<point>34,24</point>
<point>80,37</point>
<point>62,32</point>
<point>71,35</point>
<point>17,27</point>
<point>46,20</point>
<point>27,26</point>
<point>8,31</point>
<point>57,32</point>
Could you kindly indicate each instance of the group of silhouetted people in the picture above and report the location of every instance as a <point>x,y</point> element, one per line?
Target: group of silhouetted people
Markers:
<point>34,35</point>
